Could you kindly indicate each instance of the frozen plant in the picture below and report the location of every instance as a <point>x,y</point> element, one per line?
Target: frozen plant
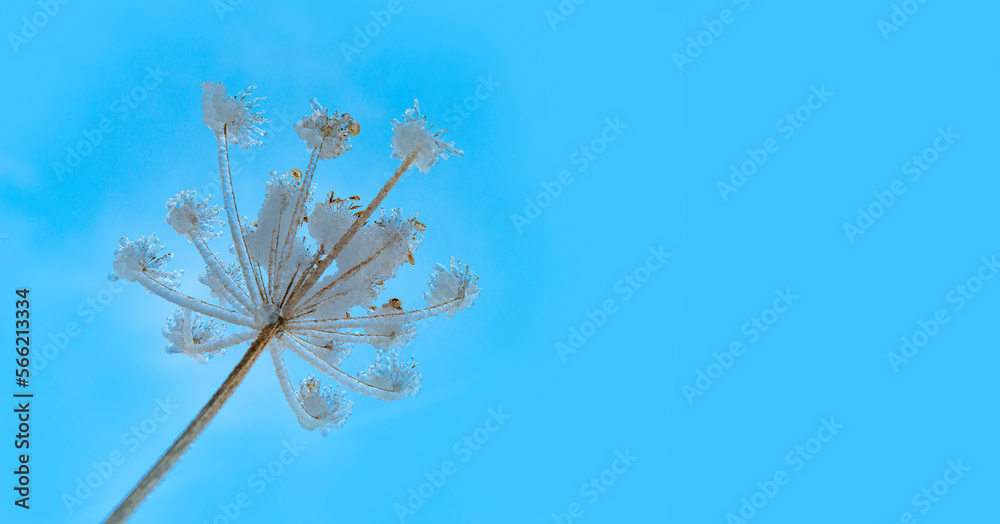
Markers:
<point>277,294</point>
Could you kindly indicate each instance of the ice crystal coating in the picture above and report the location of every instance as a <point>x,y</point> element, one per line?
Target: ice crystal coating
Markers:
<point>136,257</point>
<point>327,405</point>
<point>267,241</point>
<point>330,220</point>
<point>456,284</point>
<point>331,135</point>
<point>306,275</point>
<point>218,288</point>
<point>188,216</point>
<point>394,335</point>
<point>190,334</point>
<point>234,116</point>
<point>392,373</point>
<point>371,257</point>
<point>264,315</point>
<point>414,134</point>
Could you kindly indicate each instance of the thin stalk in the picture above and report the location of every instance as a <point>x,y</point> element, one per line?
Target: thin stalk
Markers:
<point>183,442</point>
<point>235,227</point>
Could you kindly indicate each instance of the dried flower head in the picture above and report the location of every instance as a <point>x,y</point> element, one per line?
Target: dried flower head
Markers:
<point>278,292</point>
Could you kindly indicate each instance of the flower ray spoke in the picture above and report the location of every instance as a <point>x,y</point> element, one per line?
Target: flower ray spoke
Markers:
<point>344,379</point>
<point>192,303</point>
<point>337,336</point>
<point>404,317</point>
<point>235,226</point>
<point>286,385</point>
<point>216,267</point>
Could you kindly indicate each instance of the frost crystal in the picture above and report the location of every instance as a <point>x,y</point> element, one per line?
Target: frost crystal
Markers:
<point>455,285</point>
<point>394,335</point>
<point>235,114</point>
<point>413,134</point>
<point>391,373</point>
<point>218,288</point>
<point>190,334</point>
<point>277,289</point>
<point>327,406</point>
<point>190,217</point>
<point>135,258</point>
<point>330,135</point>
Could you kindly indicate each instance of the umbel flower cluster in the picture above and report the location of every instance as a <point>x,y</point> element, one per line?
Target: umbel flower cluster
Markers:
<point>277,292</point>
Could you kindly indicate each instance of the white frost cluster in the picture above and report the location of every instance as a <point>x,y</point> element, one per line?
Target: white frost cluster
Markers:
<point>234,115</point>
<point>455,285</point>
<point>414,134</point>
<point>275,276</point>
<point>326,406</point>
<point>217,288</point>
<point>394,335</point>
<point>188,216</point>
<point>192,335</point>
<point>328,135</point>
<point>137,258</point>
<point>392,373</point>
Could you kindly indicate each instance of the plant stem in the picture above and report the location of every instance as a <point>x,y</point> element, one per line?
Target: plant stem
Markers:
<point>183,442</point>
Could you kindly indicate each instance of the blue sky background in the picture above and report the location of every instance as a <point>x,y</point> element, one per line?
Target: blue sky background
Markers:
<point>654,187</point>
